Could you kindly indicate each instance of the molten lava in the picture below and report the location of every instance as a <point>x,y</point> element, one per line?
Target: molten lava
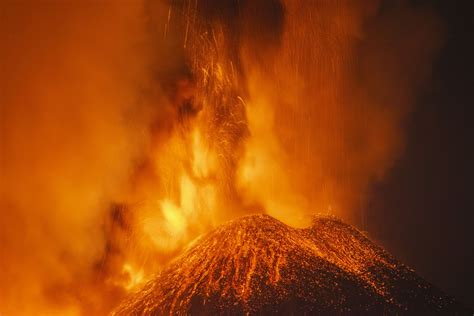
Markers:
<point>258,265</point>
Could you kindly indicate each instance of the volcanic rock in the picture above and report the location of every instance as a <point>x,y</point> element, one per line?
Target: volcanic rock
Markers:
<point>258,265</point>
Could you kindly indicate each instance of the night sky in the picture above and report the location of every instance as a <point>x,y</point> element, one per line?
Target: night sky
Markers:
<point>423,211</point>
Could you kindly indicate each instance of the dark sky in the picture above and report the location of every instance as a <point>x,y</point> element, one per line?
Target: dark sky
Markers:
<point>423,212</point>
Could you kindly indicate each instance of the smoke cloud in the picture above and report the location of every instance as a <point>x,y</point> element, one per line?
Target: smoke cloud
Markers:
<point>327,108</point>
<point>72,125</point>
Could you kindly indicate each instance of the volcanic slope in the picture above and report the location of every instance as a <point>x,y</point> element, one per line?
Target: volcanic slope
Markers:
<point>258,265</point>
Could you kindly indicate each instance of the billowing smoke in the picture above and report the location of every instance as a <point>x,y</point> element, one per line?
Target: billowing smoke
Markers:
<point>73,122</point>
<point>127,129</point>
<point>327,106</point>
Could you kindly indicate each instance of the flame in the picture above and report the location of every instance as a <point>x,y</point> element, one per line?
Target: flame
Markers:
<point>202,160</point>
<point>135,277</point>
<point>195,198</point>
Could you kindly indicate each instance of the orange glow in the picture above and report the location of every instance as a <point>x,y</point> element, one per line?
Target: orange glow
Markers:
<point>262,174</point>
<point>134,277</point>
<point>129,129</point>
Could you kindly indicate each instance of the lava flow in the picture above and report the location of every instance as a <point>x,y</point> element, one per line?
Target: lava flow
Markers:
<point>258,265</point>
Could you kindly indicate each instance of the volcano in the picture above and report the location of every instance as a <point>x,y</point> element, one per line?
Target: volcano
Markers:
<point>259,265</point>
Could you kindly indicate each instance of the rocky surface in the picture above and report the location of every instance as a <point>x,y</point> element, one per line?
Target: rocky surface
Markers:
<point>258,265</point>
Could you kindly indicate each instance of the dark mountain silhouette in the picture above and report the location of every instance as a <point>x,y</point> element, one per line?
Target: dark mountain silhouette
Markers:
<point>258,265</point>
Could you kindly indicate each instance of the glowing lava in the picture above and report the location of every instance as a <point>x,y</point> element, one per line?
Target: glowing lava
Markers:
<point>258,265</point>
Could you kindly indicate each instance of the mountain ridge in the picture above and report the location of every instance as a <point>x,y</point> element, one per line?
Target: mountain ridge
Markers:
<point>258,265</point>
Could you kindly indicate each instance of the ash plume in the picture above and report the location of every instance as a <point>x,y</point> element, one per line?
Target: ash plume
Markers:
<point>326,112</point>
<point>73,119</point>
